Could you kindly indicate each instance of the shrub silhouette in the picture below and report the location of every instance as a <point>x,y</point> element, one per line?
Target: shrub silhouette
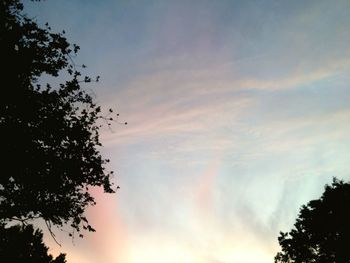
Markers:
<point>21,244</point>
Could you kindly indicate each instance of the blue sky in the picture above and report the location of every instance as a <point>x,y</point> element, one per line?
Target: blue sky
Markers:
<point>238,114</point>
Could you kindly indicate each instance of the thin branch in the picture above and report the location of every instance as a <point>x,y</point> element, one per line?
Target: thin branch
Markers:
<point>24,220</point>
<point>48,224</point>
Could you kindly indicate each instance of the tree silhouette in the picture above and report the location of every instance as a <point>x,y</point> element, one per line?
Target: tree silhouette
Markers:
<point>322,230</point>
<point>21,244</point>
<point>50,133</point>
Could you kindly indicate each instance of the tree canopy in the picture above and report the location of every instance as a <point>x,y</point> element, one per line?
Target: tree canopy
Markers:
<point>50,134</point>
<point>23,244</point>
<point>322,230</point>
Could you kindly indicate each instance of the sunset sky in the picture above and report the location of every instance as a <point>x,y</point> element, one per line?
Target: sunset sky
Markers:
<point>238,113</point>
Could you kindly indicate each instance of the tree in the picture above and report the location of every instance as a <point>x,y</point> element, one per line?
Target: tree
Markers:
<point>322,230</point>
<point>23,244</point>
<point>50,133</point>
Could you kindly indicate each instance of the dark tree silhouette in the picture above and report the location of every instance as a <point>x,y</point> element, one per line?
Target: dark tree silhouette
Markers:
<point>322,230</point>
<point>21,244</point>
<point>50,134</point>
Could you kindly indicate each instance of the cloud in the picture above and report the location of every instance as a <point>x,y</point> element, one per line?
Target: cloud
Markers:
<point>110,242</point>
<point>230,107</point>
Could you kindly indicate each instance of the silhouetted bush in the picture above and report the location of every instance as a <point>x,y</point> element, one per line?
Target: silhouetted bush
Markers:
<point>21,244</point>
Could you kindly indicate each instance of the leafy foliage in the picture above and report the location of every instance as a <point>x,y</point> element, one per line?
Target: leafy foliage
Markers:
<point>21,244</point>
<point>50,134</point>
<point>322,230</point>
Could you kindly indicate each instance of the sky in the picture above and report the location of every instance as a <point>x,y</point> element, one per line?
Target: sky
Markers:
<point>238,113</point>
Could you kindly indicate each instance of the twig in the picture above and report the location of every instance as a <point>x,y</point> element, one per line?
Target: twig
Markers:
<point>48,224</point>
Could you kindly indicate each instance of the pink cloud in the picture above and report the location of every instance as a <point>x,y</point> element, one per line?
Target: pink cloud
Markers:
<point>110,242</point>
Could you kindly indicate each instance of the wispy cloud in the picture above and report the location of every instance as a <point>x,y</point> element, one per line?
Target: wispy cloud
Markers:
<point>237,114</point>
